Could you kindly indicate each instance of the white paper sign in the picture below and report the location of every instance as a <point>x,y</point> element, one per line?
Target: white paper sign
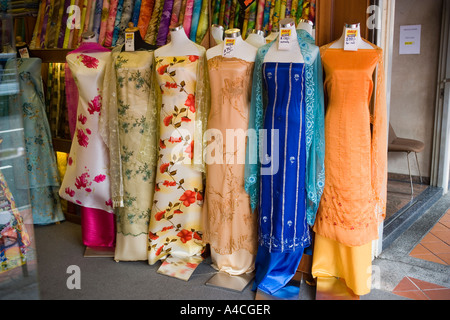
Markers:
<point>351,37</point>
<point>228,47</point>
<point>284,39</point>
<point>129,41</point>
<point>410,39</point>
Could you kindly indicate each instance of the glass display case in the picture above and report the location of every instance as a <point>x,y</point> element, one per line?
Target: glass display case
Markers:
<point>18,260</point>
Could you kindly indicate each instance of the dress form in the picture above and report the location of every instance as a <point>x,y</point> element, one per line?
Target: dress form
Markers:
<point>139,43</point>
<point>235,268</point>
<point>306,25</point>
<point>256,38</point>
<point>339,44</point>
<point>242,49</point>
<point>179,45</point>
<point>88,36</point>
<point>293,54</point>
<point>217,33</point>
<point>273,35</point>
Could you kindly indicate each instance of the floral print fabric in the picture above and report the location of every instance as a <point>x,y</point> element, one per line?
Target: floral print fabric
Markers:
<point>43,175</point>
<point>134,74</point>
<point>86,181</point>
<point>175,224</point>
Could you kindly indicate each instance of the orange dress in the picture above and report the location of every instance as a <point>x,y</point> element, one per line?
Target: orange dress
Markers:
<point>354,200</point>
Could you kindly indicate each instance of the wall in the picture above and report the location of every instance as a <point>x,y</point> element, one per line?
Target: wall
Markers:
<point>414,81</point>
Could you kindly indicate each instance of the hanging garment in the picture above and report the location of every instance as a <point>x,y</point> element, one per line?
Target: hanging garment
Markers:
<point>354,198</point>
<point>113,6</point>
<point>230,226</point>
<point>97,18</point>
<point>131,111</point>
<point>164,23</point>
<point>175,223</point>
<point>145,15</point>
<point>135,12</point>
<point>118,17</point>
<point>175,13</point>
<point>103,21</point>
<point>43,176</point>
<point>124,20</point>
<point>202,22</point>
<point>288,188</point>
<point>87,180</point>
<point>152,29</point>
<point>187,20</point>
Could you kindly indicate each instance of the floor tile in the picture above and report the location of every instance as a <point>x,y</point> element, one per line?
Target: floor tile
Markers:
<point>430,238</point>
<point>420,250</point>
<point>414,295</point>
<point>416,289</point>
<point>405,285</point>
<point>423,285</point>
<point>437,247</point>
<point>440,294</point>
<point>442,235</point>
<point>445,257</point>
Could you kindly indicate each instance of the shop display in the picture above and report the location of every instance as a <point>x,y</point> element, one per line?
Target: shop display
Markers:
<point>175,224</point>
<point>87,179</point>
<point>230,226</point>
<point>43,176</point>
<point>285,183</point>
<point>181,147</point>
<point>354,200</point>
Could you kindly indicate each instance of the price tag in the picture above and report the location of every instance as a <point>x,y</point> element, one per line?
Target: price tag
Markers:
<point>23,52</point>
<point>228,48</point>
<point>129,41</point>
<point>351,37</point>
<point>284,39</point>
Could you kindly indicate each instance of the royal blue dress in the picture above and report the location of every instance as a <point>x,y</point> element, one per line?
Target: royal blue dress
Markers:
<point>283,227</point>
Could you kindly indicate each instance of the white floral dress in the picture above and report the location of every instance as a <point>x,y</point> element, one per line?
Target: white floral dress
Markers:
<point>86,181</point>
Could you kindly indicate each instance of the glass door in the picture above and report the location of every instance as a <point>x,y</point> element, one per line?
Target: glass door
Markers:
<point>18,267</point>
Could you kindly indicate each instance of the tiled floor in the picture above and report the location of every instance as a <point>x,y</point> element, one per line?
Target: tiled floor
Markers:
<point>435,246</point>
<point>420,290</point>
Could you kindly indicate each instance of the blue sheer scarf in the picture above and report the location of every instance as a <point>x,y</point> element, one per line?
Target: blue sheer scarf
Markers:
<point>315,132</point>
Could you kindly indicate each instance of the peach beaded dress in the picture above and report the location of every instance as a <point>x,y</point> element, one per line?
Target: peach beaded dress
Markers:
<point>354,200</point>
<point>230,227</point>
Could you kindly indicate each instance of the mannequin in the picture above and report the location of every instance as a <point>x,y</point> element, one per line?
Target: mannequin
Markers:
<point>179,45</point>
<point>293,54</point>
<point>230,227</point>
<point>346,228</point>
<point>88,36</point>
<point>178,198</point>
<point>134,186</point>
<point>273,35</point>
<point>89,156</point>
<point>256,38</point>
<point>339,44</point>
<point>217,33</point>
<point>139,43</point>
<point>306,25</point>
<point>285,78</point>
<point>242,50</point>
